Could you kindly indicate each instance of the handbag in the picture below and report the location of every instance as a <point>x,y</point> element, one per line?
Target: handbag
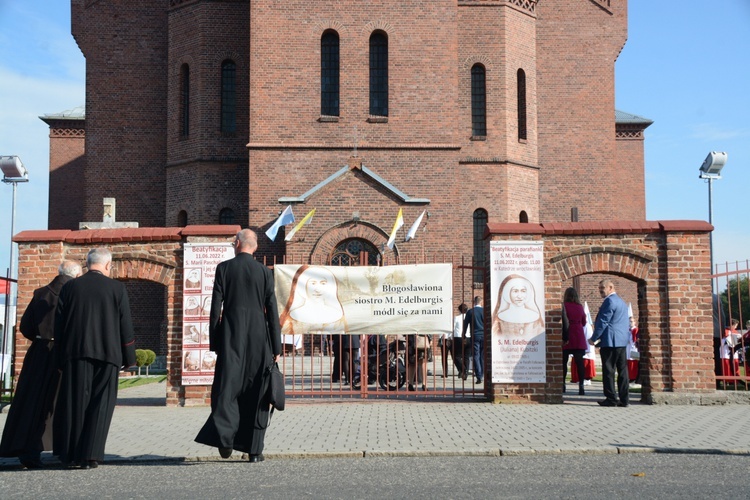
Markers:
<point>423,342</point>
<point>276,395</point>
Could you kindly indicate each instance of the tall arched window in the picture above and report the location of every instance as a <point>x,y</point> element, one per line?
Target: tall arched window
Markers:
<point>351,253</point>
<point>228,97</point>
<point>378,74</point>
<point>226,216</point>
<point>184,100</point>
<point>521,86</point>
<point>182,219</point>
<point>329,74</point>
<point>480,221</point>
<point>523,217</point>
<point>478,101</point>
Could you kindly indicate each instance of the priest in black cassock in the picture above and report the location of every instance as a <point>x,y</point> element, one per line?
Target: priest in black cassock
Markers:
<point>245,335</point>
<point>29,418</point>
<point>94,340</point>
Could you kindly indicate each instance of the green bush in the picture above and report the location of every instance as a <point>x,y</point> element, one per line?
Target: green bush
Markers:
<point>140,357</point>
<point>150,357</point>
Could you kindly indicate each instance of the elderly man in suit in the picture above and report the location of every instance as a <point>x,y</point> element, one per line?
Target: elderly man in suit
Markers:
<point>244,333</point>
<point>612,328</point>
<point>94,340</point>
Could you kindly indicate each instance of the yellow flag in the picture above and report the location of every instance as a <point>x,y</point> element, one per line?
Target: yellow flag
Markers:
<point>396,226</point>
<point>305,220</point>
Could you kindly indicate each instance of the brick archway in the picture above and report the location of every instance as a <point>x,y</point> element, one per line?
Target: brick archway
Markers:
<point>139,254</point>
<point>362,230</point>
<point>669,262</point>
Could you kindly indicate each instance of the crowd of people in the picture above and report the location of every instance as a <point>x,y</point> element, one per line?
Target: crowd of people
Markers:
<point>81,335</point>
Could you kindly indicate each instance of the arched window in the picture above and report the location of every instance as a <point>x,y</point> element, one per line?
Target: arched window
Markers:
<point>478,101</point>
<point>521,86</point>
<point>352,252</point>
<point>523,217</point>
<point>182,219</point>
<point>329,74</point>
<point>228,97</point>
<point>226,216</point>
<point>378,74</point>
<point>480,221</point>
<point>184,101</point>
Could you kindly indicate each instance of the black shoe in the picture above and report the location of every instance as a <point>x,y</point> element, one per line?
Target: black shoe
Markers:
<point>622,405</point>
<point>411,387</point>
<point>581,392</point>
<point>90,464</point>
<point>225,452</point>
<point>479,380</point>
<point>32,463</point>
<point>424,387</point>
<point>464,375</point>
<point>254,459</point>
<point>607,402</point>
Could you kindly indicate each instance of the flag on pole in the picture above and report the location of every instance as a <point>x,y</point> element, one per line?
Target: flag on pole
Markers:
<point>305,220</point>
<point>414,227</point>
<point>396,226</point>
<point>286,217</point>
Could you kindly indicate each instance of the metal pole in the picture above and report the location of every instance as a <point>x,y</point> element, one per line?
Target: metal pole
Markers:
<point>711,234</point>
<point>8,329</point>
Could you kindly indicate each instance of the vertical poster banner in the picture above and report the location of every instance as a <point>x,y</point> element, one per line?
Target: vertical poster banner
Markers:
<point>199,267</point>
<point>518,332</point>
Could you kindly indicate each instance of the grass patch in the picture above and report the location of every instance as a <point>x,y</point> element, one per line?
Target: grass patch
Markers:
<point>127,383</point>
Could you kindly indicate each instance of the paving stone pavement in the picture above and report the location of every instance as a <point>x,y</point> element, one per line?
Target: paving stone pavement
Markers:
<point>361,428</point>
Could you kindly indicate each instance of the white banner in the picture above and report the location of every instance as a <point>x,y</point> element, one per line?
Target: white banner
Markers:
<point>354,300</point>
<point>518,332</point>
<point>199,268</point>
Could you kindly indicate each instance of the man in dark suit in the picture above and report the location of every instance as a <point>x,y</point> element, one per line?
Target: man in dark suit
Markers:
<point>27,428</point>
<point>94,340</point>
<point>244,333</point>
<point>475,319</point>
<point>612,327</point>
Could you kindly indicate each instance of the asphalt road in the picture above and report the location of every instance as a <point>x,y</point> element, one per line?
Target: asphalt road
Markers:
<point>642,475</point>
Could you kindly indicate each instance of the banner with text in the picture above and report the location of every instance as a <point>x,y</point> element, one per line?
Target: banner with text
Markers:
<point>518,332</point>
<point>385,300</point>
<point>199,267</point>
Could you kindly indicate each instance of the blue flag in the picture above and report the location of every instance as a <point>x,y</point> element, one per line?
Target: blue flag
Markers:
<point>286,217</point>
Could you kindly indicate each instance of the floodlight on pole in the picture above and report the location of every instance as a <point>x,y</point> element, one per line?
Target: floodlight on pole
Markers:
<point>13,173</point>
<point>711,170</point>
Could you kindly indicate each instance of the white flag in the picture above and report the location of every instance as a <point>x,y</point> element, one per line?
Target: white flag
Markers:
<point>414,227</point>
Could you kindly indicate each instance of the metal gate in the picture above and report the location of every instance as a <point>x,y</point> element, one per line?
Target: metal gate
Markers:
<point>731,309</point>
<point>385,366</point>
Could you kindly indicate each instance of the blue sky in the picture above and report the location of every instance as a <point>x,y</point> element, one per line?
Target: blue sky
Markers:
<point>686,66</point>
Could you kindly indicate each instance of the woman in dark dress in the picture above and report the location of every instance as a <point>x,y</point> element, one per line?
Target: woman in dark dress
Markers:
<point>574,338</point>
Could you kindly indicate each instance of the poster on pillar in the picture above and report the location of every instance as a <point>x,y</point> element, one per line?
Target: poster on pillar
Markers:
<point>199,267</point>
<point>517,294</point>
<point>404,299</point>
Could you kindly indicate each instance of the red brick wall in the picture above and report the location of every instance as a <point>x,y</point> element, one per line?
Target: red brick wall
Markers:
<point>577,45</point>
<point>67,192</point>
<point>124,42</point>
<point>667,261</point>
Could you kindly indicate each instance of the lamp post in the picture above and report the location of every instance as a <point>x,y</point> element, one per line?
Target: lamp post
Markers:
<point>711,170</point>
<point>13,173</point>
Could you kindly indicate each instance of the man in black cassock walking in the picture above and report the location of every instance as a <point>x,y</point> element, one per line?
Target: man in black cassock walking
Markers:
<point>34,400</point>
<point>244,333</point>
<point>94,340</point>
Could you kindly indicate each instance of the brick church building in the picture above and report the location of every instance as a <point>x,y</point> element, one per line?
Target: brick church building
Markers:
<point>226,111</point>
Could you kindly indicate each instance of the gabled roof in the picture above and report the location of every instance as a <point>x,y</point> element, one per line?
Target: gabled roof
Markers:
<point>621,117</point>
<point>405,198</point>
